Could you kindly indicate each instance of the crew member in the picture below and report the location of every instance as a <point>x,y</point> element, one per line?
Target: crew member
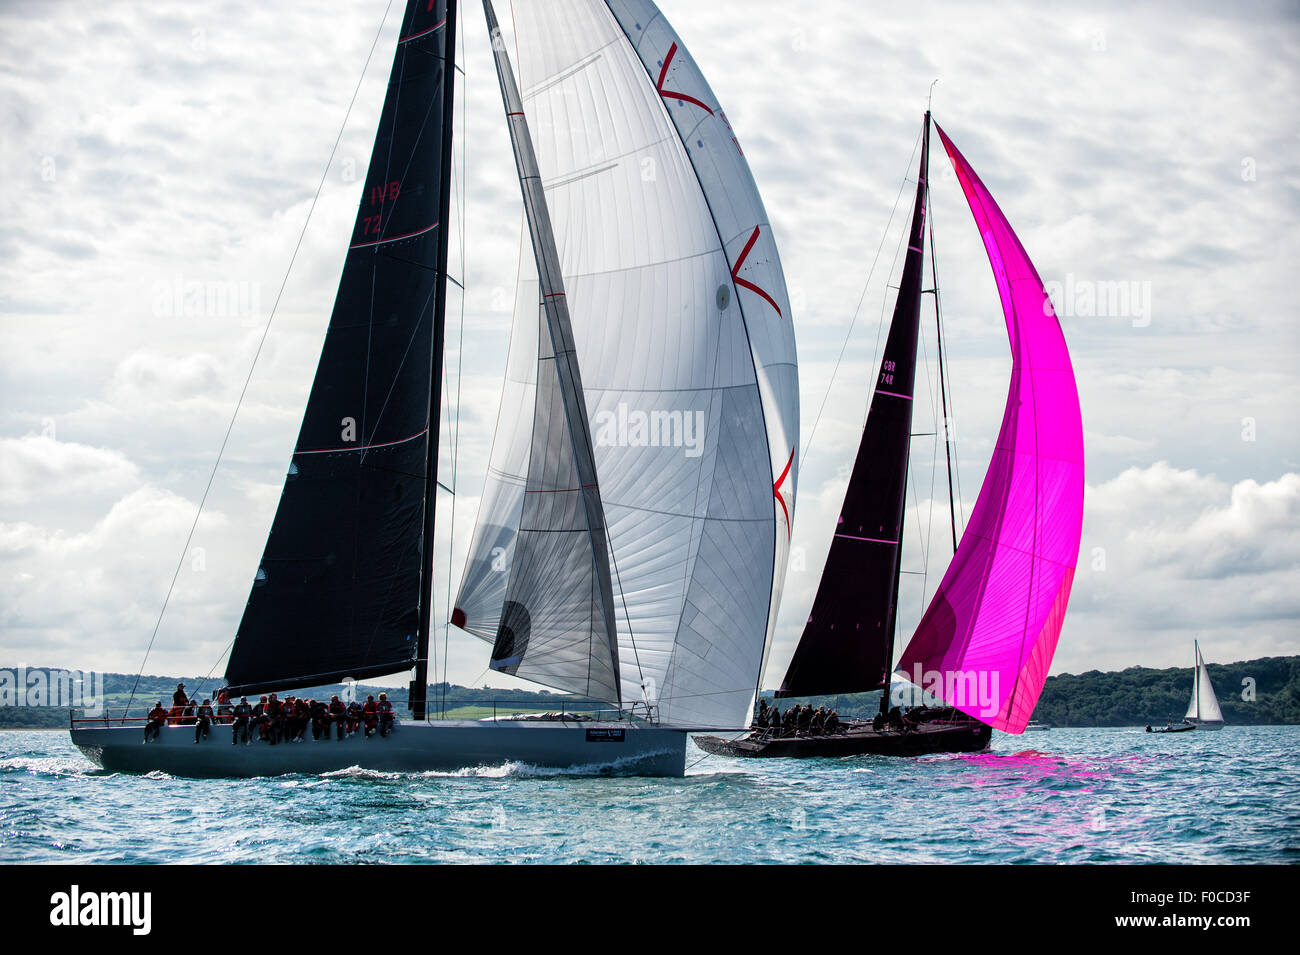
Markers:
<point>204,716</point>
<point>157,716</point>
<point>242,713</point>
<point>370,714</point>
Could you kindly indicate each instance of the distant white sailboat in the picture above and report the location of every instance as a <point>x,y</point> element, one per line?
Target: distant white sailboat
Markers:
<point>1203,711</point>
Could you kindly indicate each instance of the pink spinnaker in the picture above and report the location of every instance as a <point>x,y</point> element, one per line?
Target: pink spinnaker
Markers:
<point>993,624</point>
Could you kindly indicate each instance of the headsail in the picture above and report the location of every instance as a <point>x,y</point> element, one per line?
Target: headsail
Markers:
<point>557,622</point>
<point>339,589</point>
<point>689,374</point>
<point>1204,705</point>
<point>992,627</point>
<point>847,643</point>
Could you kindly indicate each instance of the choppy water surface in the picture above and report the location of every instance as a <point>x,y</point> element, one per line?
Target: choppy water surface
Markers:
<point>1060,796</point>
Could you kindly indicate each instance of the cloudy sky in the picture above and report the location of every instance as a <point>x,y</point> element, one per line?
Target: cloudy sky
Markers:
<point>1149,149</point>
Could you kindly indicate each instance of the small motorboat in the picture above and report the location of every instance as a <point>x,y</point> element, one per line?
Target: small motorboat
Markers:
<point>1183,727</point>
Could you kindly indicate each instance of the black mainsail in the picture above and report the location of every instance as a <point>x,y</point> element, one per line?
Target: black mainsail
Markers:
<point>344,584</point>
<point>847,644</point>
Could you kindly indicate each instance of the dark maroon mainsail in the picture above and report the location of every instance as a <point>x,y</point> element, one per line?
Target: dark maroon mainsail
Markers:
<point>343,582</point>
<point>848,641</point>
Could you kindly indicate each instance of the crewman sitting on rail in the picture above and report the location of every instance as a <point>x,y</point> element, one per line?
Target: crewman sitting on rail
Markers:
<point>242,713</point>
<point>338,713</point>
<point>805,718</point>
<point>275,718</point>
<point>261,720</point>
<point>223,708</point>
<point>832,722</point>
<point>157,716</point>
<point>203,720</point>
<point>302,714</point>
<point>354,716</point>
<point>385,709</point>
<point>320,719</point>
<point>818,723</point>
<point>370,714</point>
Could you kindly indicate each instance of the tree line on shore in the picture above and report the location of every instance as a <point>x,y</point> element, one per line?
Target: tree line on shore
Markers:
<point>1263,691</point>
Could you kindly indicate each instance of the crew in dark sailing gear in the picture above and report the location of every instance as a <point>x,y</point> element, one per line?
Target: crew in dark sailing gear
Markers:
<point>385,709</point>
<point>817,725</point>
<point>832,723</point>
<point>261,721</point>
<point>203,720</point>
<point>775,721</point>
<point>157,716</point>
<point>179,698</point>
<point>370,713</point>
<point>320,719</point>
<point>275,718</point>
<point>187,715</point>
<point>805,718</point>
<point>301,716</point>
<point>761,717</point>
<point>242,713</point>
<point>354,716</point>
<point>338,714</point>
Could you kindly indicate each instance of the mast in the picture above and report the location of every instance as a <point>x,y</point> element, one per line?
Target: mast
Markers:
<point>918,234</point>
<point>420,684</point>
<point>1196,677</point>
<point>848,642</point>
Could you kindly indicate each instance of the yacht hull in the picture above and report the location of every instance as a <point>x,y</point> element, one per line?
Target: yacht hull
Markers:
<point>858,741</point>
<point>585,748</point>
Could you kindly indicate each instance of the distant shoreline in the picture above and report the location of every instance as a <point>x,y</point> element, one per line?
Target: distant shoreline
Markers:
<point>1262,692</point>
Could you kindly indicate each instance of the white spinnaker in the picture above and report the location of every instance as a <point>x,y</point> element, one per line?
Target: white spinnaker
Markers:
<point>677,411</point>
<point>746,233</point>
<point>1204,705</point>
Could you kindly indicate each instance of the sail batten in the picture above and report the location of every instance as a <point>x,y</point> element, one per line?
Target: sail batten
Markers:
<point>991,629</point>
<point>341,586</point>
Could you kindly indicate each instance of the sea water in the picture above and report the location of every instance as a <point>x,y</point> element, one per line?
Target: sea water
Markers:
<point>1078,795</point>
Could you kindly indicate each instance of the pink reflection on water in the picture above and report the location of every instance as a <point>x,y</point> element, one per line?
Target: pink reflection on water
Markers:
<point>1065,793</point>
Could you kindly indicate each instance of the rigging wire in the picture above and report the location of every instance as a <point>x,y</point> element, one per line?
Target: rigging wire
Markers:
<point>253,366</point>
<point>945,391</point>
<point>460,372</point>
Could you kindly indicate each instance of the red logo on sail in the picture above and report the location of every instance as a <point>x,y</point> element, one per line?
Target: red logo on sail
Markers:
<point>780,498</point>
<point>745,283</point>
<point>663,72</point>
